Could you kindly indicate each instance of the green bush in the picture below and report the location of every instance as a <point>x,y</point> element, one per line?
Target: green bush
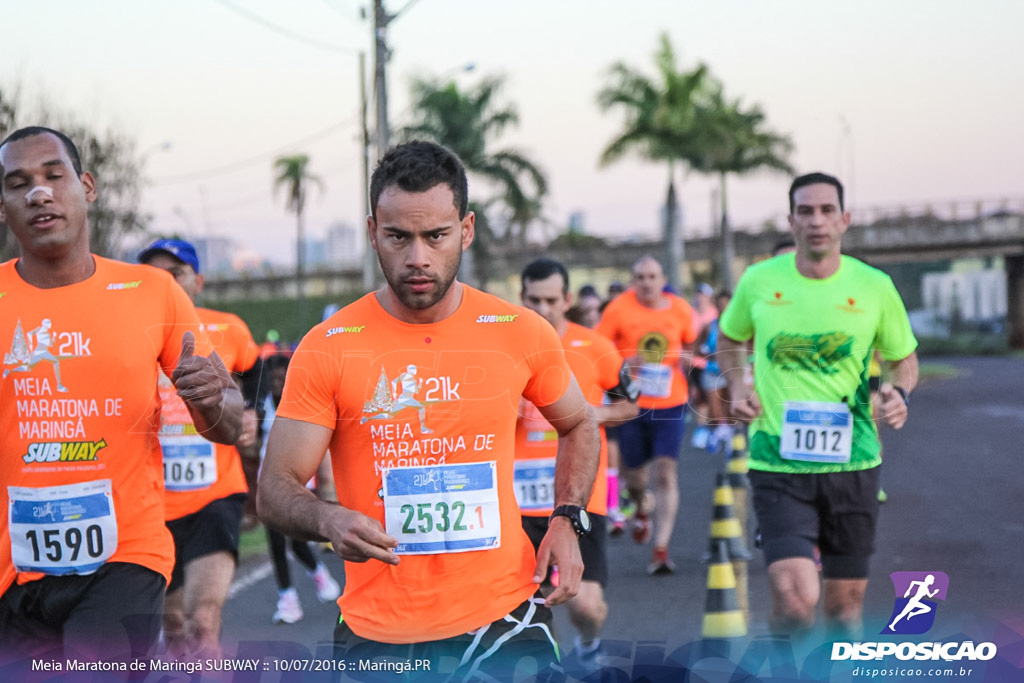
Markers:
<point>964,344</point>
<point>283,314</point>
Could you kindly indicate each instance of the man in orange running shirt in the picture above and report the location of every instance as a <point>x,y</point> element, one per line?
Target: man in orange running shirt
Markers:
<point>205,483</point>
<point>415,390</point>
<point>84,552</point>
<point>605,381</point>
<point>655,330</point>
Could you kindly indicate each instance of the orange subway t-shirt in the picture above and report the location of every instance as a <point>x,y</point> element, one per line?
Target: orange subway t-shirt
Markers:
<point>657,336</point>
<point>595,362</point>
<point>196,471</point>
<point>78,419</point>
<point>424,437</point>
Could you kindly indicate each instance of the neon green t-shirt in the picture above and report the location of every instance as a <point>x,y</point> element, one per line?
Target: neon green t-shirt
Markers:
<point>813,341</point>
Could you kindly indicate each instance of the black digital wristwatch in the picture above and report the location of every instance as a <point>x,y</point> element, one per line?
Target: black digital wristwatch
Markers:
<point>577,515</point>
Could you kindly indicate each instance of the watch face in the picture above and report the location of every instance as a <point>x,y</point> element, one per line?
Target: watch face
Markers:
<point>584,520</point>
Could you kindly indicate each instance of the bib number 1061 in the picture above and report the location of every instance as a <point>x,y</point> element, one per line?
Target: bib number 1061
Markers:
<point>426,517</point>
<point>187,472</point>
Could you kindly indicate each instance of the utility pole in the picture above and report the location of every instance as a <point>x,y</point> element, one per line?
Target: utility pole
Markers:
<point>369,258</point>
<point>675,254</point>
<point>381,19</point>
<point>728,242</point>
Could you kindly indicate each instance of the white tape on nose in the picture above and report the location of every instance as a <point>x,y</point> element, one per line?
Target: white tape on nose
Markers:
<point>34,194</point>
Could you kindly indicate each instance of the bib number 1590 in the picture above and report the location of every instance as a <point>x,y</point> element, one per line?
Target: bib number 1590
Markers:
<point>71,543</point>
<point>57,530</point>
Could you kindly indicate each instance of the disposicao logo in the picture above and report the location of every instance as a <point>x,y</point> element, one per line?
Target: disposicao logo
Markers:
<point>914,613</point>
<point>916,595</point>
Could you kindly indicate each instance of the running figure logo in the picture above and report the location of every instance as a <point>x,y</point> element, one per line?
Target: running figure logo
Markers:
<point>389,399</point>
<point>916,592</point>
<point>46,510</point>
<point>28,350</point>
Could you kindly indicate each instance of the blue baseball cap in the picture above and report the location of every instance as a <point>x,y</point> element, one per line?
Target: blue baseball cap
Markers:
<point>179,249</point>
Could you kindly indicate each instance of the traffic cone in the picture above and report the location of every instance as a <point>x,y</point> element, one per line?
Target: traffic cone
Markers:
<point>736,467</point>
<point>724,524</point>
<point>736,464</point>
<point>739,440</point>
<point>722,615</point>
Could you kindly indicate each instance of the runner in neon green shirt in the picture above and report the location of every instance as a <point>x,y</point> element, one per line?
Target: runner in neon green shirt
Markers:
<point>815,316</point>
<point>813,344</point>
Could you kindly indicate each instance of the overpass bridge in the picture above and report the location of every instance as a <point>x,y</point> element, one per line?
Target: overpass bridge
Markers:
<point>903,235</point>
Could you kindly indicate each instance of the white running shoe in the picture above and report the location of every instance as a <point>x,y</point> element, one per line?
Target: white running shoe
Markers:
<point>700,437</point>
<point>584,660</point>
<point>723,435</point>
<point>327,589</point>
<point>289,610</point>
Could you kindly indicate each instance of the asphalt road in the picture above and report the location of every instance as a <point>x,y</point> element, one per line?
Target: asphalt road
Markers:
<point>955,506</point>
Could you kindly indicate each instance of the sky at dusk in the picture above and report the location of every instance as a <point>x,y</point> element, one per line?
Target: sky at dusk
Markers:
<point>910,102</point>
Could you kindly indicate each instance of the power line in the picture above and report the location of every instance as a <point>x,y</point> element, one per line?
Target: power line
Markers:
<point>347,13</point>
<point>241,202</point>
<point>312,42</point>
<point>250,161</point>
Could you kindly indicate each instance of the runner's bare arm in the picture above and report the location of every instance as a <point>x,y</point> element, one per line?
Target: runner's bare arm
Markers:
<point>209,392</point>
<point>615,412</point>
<point>620,402</point>
<point>249,384</point>
<point>294,450</point>
<point>732,362</point>
<point>902,374</point>
<point>579,447</point>
<point>325,481</point>
<point>250,428</point>
<point>687,353</point>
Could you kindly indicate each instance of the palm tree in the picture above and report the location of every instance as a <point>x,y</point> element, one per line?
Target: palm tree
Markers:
<point>736,141</point>
<point>661,125</point>
<point>467,122</point>
<point>293,174</point>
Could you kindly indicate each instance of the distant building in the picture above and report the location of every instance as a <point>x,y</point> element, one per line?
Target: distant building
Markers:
<point>577,222</point>
<point>316,253</point>
<point>973,297</point>
<point>344,245</point>
<point>216,254</point>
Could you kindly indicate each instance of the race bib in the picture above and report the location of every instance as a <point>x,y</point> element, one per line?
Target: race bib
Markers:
<point>655,380</point>
<point>535,483</point>
<point>442,508</point>
<point>816,432</point>
<point>190,463</point>
<point>70,529</point>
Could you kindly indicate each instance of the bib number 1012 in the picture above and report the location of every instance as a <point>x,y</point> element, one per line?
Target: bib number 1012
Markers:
<point>818,440</point>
